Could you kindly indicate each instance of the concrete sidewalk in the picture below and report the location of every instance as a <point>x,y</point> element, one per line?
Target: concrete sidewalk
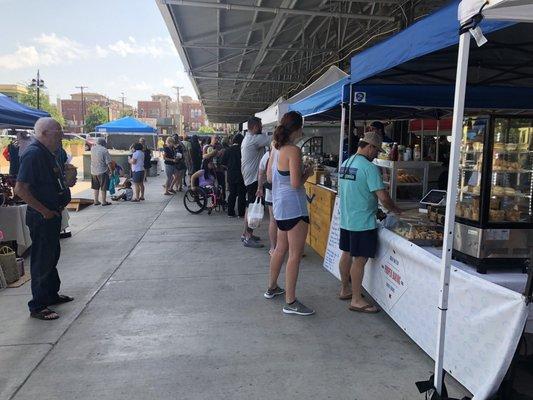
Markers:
<point>169,305</point>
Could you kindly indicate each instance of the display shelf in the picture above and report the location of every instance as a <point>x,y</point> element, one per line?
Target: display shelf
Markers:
<point>410,184</point>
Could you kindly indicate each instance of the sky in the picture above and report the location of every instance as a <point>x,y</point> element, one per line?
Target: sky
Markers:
<point>111,46</point>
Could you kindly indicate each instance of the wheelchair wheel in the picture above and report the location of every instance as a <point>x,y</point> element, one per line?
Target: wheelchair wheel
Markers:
<point>195,201</point>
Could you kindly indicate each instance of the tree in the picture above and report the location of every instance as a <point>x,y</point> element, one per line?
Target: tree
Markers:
<point>30,99</point>
<point>206,129</point>
<point>96,115</point>
<point>126,113</point>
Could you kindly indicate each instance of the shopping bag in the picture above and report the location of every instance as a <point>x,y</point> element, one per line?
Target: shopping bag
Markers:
<point>8,262</point>
<point>255,214</point>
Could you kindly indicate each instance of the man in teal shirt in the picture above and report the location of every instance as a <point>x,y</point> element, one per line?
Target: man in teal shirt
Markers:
<point>360,188</point>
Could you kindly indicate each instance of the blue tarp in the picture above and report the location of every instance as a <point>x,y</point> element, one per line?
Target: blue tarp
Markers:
<point>126,125</point>
<point>433,33</point>
<point>16,115</point>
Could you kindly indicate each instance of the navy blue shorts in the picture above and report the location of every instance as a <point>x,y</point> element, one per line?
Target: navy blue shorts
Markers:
<point>137,176</point>
<point>359,244</point>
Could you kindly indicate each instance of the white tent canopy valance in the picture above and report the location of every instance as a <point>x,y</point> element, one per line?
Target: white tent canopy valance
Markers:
<point>501,10</point>
<point>272,115</point>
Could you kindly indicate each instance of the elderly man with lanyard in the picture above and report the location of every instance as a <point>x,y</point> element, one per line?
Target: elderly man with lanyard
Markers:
<point>360,187</point>
<point>41,184</point>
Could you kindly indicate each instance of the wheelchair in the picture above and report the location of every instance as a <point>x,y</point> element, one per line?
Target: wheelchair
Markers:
<point>204,198</point>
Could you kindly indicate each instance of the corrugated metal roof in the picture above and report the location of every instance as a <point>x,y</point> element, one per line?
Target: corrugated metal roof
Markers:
<point>241,55</point>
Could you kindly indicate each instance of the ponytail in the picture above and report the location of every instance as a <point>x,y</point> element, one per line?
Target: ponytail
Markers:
<point>291,122</point>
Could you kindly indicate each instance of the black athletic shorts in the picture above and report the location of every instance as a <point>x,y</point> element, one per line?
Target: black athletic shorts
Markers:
<point>251,190</point>
<point>359,244</point>
<point>288,224</point>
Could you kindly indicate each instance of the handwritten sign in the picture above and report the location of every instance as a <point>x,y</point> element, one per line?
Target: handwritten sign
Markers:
<point>333,253</point>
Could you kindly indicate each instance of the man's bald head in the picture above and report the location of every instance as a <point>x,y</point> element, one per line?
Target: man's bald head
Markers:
<point>48,131</point>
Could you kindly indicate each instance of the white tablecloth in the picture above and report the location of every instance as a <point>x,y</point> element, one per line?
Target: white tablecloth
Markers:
<point>13,225</point>
<point>512,279</point>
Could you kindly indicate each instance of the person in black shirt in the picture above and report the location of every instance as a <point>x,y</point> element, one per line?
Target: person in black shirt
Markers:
<point>169,157</point>
<point>237,190</point>
<point>41,184</point>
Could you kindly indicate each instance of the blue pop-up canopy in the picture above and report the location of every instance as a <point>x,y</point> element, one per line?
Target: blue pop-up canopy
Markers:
<point>321,101</point>
<point>16,115</point>
<point>126,126</point>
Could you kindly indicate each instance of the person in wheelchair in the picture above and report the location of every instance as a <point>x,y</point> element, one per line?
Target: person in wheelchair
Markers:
<point>205,177</point>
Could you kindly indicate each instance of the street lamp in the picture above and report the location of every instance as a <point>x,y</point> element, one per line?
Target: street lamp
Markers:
<point>38,83</point>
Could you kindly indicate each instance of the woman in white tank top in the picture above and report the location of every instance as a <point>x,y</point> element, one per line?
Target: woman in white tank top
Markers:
<point>289,201</point>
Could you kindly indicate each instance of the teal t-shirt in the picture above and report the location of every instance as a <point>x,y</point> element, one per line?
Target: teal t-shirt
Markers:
<point>358,181</point>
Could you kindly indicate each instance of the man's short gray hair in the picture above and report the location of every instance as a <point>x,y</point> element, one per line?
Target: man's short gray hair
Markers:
<point>101,141</point>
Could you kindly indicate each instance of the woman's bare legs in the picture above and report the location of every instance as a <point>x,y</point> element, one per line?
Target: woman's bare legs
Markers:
<point>278,256</point>
<point>296,239</point>
<point>136,190</point>
<point>272,230</point>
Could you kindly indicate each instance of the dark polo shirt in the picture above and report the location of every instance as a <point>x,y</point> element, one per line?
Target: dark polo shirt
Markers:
<point>40,169</point>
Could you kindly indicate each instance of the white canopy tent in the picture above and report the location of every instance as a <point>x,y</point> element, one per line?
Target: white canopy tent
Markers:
<point>272,115</point>
<point>470,14</point>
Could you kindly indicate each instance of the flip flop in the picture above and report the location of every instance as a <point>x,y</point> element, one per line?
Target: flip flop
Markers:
<point>45,315</point>
<point>135,201</point>
<point>62,299</point>
<point>106,204</point>
<point>364,309</point>
<point>345,297</point>
<point>96,203</point>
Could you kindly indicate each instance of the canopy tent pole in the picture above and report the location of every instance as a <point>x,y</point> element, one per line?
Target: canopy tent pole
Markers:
<point>341,141</point>
<point>451,196</point>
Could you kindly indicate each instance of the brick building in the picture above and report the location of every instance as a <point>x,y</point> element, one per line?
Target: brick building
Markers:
<point>193,115</point>
<point>72,109</point>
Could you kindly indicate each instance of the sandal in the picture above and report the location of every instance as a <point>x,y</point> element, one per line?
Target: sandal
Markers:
<point>167,194</point>
<point>365,309</point>
<point>62,299</point>
<point>107,203</point>
<point>45,314</point>
<point>345,297</point>
<point>96,203</point>
<point>135,200</point>
<point>141,198</point>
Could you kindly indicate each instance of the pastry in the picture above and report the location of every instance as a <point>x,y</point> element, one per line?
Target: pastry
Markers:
<point>497,215</point>
<point>498,190</point>
<point>509,191</point>
<point>512,215</point>
<point>511,146</point>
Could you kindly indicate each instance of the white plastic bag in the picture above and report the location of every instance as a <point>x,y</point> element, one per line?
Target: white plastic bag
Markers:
<point>255,214</point>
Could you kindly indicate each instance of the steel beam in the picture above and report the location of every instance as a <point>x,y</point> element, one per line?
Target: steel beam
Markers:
<point>275,10</point>
<point>255,48</point>
<point>242,79</point>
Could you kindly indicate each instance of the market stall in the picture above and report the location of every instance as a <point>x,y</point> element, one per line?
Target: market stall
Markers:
<point>412,75</point>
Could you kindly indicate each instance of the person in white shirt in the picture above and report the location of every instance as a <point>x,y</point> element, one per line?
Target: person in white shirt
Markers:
<point>137,171</point>
<point>264,190</point>
<point>100,168</point>
<point>252,150</point>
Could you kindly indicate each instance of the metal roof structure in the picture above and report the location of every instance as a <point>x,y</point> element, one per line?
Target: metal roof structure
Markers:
<point>241,55</point>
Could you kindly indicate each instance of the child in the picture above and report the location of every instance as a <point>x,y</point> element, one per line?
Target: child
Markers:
<point>126,193</point>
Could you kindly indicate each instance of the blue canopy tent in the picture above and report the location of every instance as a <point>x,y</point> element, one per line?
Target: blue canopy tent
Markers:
<point>121,133</point>
<point>16,115</point>
<point>126,125</point>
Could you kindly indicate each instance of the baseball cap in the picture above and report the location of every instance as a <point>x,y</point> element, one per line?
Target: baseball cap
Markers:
<point>375,139</point>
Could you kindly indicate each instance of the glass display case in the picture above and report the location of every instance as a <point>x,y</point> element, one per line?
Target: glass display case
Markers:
<point>407,181</point>
<point>494,207</point>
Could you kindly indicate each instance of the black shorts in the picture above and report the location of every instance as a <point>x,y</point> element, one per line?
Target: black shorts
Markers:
<point>288,224</point>
<point>251,190</point>
<point>359,244</point>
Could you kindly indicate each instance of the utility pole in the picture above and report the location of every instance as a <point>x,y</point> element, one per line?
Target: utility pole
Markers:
<point>82,107</point>
<point>178,107</point>
<point>38,83</point>
<point>123,98</point>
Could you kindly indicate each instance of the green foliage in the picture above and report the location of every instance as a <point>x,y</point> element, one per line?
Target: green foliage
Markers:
<point>126,113</point>
<point>96,115</point>
<point>206,129</point>
<point>30,99</point>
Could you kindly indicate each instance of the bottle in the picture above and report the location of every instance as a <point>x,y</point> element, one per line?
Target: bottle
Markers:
<point>408,155</point>
<point>393,155</point>
<point>416,153</point>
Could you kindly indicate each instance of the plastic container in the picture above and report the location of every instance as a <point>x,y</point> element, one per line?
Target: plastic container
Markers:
<point>416,153</point>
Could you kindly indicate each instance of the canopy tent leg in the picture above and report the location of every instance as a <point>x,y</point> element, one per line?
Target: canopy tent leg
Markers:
<point>447,247</point>
<point>343,128</point>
